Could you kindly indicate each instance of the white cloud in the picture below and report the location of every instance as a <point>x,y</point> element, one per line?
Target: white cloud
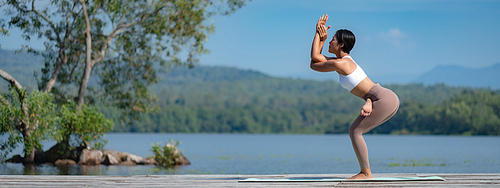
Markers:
<point>393,36</point>
<point>396,41</point>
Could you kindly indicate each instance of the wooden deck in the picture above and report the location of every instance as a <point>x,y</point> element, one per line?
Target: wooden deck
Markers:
<point>452,180</point>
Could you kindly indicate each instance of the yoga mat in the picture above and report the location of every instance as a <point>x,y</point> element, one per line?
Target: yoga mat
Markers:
<point>430,178</point>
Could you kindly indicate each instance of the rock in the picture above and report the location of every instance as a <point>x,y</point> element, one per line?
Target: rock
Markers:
<point>109,159</point>
<point>90,157</point>
<point>147,161</point>
<point>53,153</point>
<point>15,159</point>
<point>115,154</point>
<point>180,159</point>
<point>62,162</point>
<point>152,160</point>
<point>40,157</point>
<point>123,156</point>
<point>134,158</point>
<point>86,156</point>
<point>127,163</point>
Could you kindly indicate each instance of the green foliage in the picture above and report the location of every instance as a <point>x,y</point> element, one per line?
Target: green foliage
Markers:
<point>43,122</point>
<point>131,40</point>
<point>165,156</point>
<point>27,129</point>
<point>474,112</point>
<point>228,100</point>
<point>471,112</point>
<point>152,46</point>
<point>83,126</point>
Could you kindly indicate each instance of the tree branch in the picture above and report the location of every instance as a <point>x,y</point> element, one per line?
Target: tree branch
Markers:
<point>39,14</point>
<point>46,19</point>
<point>22,97</point>
<point>118,28</point>
<point>13,82</point>
<point>61,60</point>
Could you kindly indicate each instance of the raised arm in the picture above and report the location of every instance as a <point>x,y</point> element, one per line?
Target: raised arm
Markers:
<point>320,62</point>
<point>319,39</point>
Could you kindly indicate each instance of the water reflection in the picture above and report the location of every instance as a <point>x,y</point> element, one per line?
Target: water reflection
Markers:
<point>29,169</point>
<point>48,169</point>
<point>294,154</point>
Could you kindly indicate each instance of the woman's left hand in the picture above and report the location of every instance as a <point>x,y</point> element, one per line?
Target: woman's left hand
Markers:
<point>366,110</point>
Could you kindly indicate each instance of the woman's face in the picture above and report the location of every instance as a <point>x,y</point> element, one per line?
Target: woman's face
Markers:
<point>334,46</point>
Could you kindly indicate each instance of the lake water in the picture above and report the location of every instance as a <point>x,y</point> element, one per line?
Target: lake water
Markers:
<point>295,154</point>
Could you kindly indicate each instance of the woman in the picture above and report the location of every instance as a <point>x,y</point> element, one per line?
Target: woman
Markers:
<point>381,103</point>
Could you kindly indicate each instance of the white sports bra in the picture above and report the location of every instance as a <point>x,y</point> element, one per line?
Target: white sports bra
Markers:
<point>350,81</point>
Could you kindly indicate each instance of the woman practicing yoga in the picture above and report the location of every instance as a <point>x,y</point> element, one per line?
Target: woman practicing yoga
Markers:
<point>381,103</point>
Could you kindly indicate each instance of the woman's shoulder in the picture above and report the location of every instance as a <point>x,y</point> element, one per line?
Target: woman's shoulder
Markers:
<point>346,65</point>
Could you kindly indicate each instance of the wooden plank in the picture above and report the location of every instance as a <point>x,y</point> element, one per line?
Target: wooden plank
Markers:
<point>452,180</point>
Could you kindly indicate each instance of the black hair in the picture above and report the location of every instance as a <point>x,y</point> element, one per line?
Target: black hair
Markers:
<point>347,38</point>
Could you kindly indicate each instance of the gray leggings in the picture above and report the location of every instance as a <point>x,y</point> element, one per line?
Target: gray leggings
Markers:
<point>385,105</point>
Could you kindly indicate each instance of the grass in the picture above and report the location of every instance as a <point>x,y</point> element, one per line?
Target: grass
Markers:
<point>394,165</point>
<point>414,163</point>
<point>225,157</point>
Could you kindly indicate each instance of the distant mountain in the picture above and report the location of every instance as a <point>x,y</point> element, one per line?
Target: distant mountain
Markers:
<point>460,76</point>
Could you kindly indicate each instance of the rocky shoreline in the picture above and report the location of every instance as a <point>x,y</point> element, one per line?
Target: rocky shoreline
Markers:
<point>87,156</point>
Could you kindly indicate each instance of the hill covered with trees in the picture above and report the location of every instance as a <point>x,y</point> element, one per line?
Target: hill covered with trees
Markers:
<point>229,100</point>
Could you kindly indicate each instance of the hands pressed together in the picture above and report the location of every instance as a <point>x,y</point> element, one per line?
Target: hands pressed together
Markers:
<point>321,28</point>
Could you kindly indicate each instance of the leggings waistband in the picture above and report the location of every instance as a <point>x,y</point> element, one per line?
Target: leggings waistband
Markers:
<point>373,92</point>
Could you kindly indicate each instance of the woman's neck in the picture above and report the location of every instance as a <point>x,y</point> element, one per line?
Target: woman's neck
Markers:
<point>342,55</point>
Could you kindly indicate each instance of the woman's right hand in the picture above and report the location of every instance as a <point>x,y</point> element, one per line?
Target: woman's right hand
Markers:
<point>321,28</point>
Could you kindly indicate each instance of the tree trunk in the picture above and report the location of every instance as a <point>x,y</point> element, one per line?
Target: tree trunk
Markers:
<point>29,156</point>
<point>83,84</point>
<point>88,59</point>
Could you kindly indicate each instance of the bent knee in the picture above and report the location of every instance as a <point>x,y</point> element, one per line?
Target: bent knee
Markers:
<point>355,132</point>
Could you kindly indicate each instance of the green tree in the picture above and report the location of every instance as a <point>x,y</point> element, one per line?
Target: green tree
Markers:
<point>25,118</point>
<point>83,127</point>
<point>122,42</point>
<point>472,112</point>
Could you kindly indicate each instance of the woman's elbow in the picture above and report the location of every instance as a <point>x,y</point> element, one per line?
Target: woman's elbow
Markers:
<point>320,66</point>
<point>318,58</point>
<point>314,66</point>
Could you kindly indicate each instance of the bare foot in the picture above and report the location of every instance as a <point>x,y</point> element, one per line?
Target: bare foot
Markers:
<point>361,176</point>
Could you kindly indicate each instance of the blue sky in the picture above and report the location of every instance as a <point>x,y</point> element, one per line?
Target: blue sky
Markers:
<point>396,39</point>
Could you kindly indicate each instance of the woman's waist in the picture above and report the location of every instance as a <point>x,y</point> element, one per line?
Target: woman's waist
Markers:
<point>377,92</point>
<point>363,87</point>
